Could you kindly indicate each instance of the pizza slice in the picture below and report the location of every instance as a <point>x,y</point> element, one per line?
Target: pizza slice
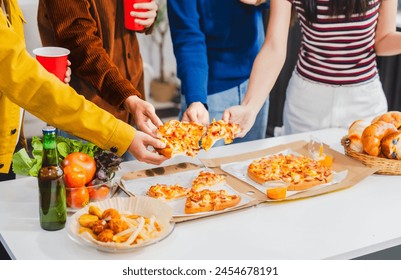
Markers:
<point>219,130</point>
<point>207,200</point>
<point>167,192</point>
<point>207,179</point>
<point>181,138</point>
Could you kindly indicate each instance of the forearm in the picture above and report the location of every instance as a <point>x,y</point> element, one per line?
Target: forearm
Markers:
<point>387,39</point>
<point>271,58</point>
<point>389,45</point>
<point>265,70</point>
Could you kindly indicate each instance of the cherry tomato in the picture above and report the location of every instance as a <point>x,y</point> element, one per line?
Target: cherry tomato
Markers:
<point>85,161</point>
<point>99,193</point>
<point>74,176</point>
<point>77,197</point>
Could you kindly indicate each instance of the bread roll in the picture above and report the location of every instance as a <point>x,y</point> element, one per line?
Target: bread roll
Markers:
<point>373,135</point>
<point>391,145</point>
<point>355,134</point>
<point>393,117</point>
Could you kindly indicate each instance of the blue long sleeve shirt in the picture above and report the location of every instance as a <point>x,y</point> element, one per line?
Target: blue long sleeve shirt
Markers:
<point>215,43</point>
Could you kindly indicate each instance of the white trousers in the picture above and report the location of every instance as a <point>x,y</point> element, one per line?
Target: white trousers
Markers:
<point>313,106</point>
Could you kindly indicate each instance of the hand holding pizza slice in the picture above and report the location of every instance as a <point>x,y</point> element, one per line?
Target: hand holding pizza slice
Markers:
<point>219,130</point>
<point>183,138</point>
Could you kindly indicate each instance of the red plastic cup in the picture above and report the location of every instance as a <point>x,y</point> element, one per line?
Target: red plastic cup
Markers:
<point>53,59</point>
<point>129,21</point>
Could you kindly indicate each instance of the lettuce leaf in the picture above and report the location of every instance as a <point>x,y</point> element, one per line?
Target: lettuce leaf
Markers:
<point>23,164</point>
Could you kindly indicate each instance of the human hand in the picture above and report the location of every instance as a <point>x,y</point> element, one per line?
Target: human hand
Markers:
<point>144,114</point>
<point>67,78</point>
<point>242,115</point>
<point>139,148</point>
<point>196,112</point>
<point>253,2</point>
<point>148,17</point>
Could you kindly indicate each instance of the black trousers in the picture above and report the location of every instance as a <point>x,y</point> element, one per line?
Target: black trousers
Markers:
<point>3,253</point>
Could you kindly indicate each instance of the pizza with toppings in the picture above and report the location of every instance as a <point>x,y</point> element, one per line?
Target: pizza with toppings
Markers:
<point>184,138</point>
<point>207,200</point>
<point>207,179</point>
<point>299,171</point>
<point>181,138</point>
<point>167,192</point>
<point>219,130</point>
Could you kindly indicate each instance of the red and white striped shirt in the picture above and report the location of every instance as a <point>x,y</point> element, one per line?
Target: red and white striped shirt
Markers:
<point>335,50</point>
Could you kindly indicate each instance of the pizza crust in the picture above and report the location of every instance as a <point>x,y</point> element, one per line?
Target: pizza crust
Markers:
<point>235,200</point>
<point>255,176</point>
<point>309,184</point>
<point>207,200</point>
<point>191,208</point>
<point>169,153</point>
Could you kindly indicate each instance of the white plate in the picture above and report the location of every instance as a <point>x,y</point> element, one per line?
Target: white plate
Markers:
<point>144,206</point>
<point>184,179</point>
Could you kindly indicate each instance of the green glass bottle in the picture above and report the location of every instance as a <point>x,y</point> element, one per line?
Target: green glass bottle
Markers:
<point>52,197</point>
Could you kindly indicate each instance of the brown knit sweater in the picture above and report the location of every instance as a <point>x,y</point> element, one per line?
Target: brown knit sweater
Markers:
<point>105,59</point>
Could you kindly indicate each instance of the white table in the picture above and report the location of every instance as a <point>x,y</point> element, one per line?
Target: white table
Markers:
<point>340,225</point>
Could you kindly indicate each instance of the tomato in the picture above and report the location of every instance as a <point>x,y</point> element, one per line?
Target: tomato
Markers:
<point>99,193</point>
<point>77,197</point>
<point>74,176</point>
<point>85,161</point>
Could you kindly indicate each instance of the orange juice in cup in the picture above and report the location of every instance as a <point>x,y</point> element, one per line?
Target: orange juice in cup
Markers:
<point>276,189</point>
<point>326,160</point>
<point>315,148</point>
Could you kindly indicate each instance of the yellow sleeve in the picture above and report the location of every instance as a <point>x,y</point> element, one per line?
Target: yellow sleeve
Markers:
<point>26,83</point>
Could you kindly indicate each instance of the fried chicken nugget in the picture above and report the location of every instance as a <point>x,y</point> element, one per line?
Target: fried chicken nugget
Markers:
<point>110,213</point>
<point>105,236</point>
<point>99,226</point>
<point>117,225</point>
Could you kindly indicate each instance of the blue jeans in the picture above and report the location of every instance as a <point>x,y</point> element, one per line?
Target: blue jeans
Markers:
<point>126,156</point>
<point>221,101</point>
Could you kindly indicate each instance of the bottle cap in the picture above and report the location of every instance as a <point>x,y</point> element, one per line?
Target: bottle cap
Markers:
<point>49,130</point>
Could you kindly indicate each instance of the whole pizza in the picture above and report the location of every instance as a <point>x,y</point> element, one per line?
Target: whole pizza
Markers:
<point>299,171</point>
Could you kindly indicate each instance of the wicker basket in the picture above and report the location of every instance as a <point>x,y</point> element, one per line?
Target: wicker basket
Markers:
<point>386,166</point>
